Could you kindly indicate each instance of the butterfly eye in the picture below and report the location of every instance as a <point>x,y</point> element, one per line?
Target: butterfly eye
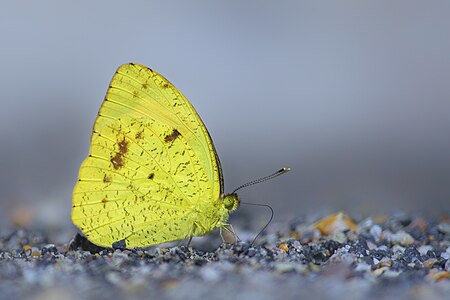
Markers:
<point>231,201</point>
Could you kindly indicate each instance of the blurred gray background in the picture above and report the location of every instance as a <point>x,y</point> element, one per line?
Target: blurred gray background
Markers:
<point>354,96</point>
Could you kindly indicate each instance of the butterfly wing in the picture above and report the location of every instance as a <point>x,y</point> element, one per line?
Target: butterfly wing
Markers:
<point>151,164</point>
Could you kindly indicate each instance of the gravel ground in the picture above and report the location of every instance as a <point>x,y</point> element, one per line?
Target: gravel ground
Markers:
<point>397,257</point>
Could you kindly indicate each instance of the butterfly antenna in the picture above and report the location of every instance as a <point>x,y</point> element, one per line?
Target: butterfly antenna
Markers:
<point>259,180</point>
<point>267,224</point>
<point>262,179</point>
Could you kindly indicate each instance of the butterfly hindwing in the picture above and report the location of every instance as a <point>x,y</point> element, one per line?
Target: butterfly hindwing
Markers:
<point>139,175</point>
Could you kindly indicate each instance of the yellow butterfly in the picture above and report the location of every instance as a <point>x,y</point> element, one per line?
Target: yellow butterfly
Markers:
<point>152,174</point>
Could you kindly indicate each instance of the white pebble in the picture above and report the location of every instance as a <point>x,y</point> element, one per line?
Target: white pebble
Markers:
<point>210,273</point>
<point>362,267</point>
<point>401,237</point>
<point>446,254</point>
<point>424,249</point>
<point>375,231</point>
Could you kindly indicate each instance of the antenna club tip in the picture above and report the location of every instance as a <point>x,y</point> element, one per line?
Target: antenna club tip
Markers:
<point>285,169</point>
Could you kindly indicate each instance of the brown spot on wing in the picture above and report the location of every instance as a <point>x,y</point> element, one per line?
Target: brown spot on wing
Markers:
<point>106,179</point>
<point>117,161</point>
<point>145,86</point>
<point>139,135</point>
<point>151,176</point>
<point>123,146</point>
<point>171,137</point>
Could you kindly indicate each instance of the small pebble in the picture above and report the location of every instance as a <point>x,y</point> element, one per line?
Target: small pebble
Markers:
<point>362,267</point>
<point>284,247</point>
<point>440,275</point>
<point>447,266</point>
<point>444,227</point>
<point>430,262</point>
<point>446,254</point>
<point>375,231</point>
<point>399,238</point>
<point>423,250</point>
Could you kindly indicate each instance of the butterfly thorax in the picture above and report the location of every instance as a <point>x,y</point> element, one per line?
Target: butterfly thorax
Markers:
<point>214,214</point>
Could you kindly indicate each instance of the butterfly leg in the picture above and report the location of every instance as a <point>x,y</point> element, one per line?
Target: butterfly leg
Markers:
<point>230,229</point>
<point>221,234</point>
<point>189,241</point>
<point>188,237</point>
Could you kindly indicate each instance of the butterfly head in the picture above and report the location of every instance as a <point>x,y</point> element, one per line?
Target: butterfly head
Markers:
<point>231,201</point>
